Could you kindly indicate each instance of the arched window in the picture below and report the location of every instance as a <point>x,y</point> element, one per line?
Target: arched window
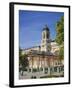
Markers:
<point>43,35</point>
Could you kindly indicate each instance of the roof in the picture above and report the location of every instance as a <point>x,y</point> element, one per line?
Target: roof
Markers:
<point>31,47</point>
<point>36,46</point>
<point>46,28</point>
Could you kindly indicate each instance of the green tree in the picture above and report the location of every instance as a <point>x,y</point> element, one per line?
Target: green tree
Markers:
<point>61,53</point>
<point>60,31</point>
<point>23,61</point>
<point>60,37</point>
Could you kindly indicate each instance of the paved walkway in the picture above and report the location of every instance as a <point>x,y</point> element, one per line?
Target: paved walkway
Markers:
<point>27,75</point>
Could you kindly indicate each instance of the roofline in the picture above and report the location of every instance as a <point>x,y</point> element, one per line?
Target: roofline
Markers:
<point>31,47</point>
<point>36,46</point>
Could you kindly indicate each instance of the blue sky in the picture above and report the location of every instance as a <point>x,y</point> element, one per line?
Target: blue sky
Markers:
<point>31,24</point>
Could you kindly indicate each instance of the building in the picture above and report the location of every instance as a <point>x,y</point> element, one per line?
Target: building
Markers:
<point>47,45</point>
<point>44,58</point>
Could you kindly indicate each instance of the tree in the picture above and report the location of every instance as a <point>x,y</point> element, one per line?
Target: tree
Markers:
<point>61,53</point>
<point>23,61</point>
<point>60,37</point>
<point>60,31</point>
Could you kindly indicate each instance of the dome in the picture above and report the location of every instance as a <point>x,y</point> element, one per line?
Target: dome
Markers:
<point>46,28</point>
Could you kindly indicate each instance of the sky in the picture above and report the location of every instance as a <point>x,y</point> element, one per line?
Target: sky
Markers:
<point>31,24</point>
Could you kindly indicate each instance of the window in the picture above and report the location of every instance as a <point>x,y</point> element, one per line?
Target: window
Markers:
<point>43,35</point>
<point>55,69</point>
<point>62,68</point>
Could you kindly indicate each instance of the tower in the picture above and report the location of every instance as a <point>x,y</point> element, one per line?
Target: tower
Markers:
<point>45,41</point>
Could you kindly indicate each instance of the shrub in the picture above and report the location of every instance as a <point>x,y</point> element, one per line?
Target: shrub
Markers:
<point>34,70</point>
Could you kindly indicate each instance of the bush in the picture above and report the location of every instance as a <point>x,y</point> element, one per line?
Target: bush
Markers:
<point>25,69</point>
<point>45,70</point>
<point>41,69</point>
<point>33,77</point>
<point>29,70</point>
<point>34,70</point>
